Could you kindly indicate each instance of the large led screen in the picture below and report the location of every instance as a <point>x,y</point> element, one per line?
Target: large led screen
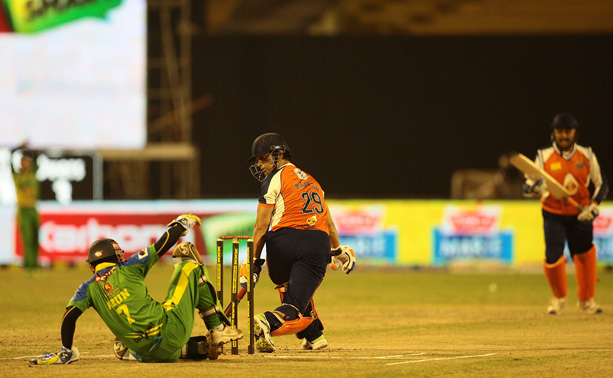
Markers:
<point>72,73</point>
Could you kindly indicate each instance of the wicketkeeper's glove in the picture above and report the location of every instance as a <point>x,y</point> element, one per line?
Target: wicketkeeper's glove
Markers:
<point>589,213</point>
<point>343,257</point>
<point>65,356</point>
<point>187,221</point>
<point>257,269</point>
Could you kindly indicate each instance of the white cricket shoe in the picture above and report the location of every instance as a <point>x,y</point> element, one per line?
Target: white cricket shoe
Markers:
<point>556,305</point>
<point>225,335</point>
<point>318,343</point>
<point>590,307</point>
<point>263,341</point>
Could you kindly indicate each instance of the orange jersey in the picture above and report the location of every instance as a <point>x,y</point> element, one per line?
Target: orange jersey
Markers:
<point>575,170</point>
<point>297,198</point>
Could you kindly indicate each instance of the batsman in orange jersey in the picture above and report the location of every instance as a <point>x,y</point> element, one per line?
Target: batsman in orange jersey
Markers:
<point>294,222</point>
<point>577,169</point>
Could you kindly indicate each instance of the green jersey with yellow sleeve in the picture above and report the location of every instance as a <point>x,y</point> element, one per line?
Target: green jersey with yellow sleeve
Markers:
<point>118,293</point>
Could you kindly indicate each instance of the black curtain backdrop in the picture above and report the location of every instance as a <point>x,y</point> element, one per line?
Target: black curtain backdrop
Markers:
<point>394,117</point>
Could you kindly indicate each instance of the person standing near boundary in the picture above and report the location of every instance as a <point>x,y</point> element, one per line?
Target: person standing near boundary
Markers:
<point>150,331</point>
<point>301,242</point>
<point>575,167</point>
<point>27,188</point>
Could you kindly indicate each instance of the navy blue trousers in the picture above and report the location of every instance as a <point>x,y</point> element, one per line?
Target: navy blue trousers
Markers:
<point>298,258</point>
<point>562,228</point>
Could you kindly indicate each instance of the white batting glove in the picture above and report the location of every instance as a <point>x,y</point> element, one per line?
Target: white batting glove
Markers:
<point>343,257</point>
<point>65,356</point>
<point>589,213</point>
<point>534,188</point>
<point>187,221</point>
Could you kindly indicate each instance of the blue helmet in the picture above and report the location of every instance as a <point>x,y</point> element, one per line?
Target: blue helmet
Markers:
<point>564,121</point>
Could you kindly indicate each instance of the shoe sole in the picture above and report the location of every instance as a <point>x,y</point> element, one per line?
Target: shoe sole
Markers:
<point>311,346</point>
<point>262,344</point>
<point>599,311</point>
<point>592,309</point>
<point>555,310</point>
<point>318,347</point>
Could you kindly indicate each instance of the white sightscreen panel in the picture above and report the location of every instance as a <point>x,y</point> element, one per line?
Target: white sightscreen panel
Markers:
<point>80,85</point>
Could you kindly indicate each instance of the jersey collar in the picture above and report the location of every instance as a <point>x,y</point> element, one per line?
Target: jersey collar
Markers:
<point>279,169</point>
<point>564,154</point>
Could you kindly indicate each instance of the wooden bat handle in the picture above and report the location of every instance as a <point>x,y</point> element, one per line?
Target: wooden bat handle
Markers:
<point>240,296</point>
<point>574,203</point>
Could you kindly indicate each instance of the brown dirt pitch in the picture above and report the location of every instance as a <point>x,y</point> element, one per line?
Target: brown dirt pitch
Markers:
<point>379,323</point>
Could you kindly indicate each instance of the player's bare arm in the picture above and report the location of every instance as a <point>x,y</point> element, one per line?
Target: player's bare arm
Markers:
<point>334,241</point>
<point>343,256</point>
<point>262,222</point>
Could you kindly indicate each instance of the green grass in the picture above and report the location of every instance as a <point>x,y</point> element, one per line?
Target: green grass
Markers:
<point>379,323</point>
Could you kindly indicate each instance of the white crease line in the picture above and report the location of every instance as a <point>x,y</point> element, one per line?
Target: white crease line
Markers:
<point>19,357</point>
<point>38,355</point>
<point>397,356</point>
<point>439,359</point>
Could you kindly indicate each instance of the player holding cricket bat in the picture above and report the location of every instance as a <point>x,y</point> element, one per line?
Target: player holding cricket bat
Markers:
<point>575,167</point>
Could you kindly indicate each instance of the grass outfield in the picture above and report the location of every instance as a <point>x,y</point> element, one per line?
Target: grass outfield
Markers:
<point>391,323</point>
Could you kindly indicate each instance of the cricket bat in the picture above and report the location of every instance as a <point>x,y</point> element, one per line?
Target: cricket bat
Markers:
<point>240,295</point>
<point>530,168</point>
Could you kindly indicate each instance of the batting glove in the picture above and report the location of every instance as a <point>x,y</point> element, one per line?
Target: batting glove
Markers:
<point>257,269</point>
<point>589,213</point>
<point>65,356</point>
<point>343,257</point>
<point>534,188</point>
<point>187,221</point>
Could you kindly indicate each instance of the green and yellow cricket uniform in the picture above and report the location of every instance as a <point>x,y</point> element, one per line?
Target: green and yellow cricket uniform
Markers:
<point>27,188</point>
<point>153,331</point>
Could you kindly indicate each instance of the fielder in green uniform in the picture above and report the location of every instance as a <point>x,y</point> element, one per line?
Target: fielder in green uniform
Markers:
<point>151,331</point>
<point>28,189</point>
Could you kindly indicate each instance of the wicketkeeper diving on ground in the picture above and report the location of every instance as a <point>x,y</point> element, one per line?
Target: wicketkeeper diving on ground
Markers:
<point>147,330</point>
<point>302,240</point>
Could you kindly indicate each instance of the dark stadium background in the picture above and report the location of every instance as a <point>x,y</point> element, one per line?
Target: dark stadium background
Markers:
<point>394,116</point>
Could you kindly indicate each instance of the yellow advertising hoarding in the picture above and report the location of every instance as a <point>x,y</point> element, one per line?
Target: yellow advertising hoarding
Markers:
<point>408,233</point>
<point>444,232</point>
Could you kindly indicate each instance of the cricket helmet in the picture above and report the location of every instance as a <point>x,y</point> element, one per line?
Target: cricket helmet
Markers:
<point>104,250</point>
<point>268,143</point>
<point>564,121</point>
